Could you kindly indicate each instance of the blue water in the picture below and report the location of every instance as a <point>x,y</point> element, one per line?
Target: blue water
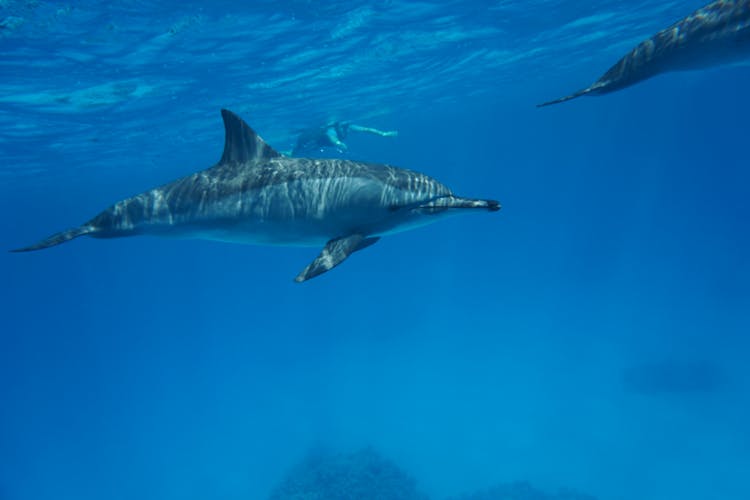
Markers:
<point>592,335</point>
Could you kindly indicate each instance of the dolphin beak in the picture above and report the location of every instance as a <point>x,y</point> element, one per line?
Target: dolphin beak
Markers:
<point>493,205</point>
<point>448,202</point>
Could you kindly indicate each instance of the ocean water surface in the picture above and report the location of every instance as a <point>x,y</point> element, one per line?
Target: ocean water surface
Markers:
<point>591,336</point>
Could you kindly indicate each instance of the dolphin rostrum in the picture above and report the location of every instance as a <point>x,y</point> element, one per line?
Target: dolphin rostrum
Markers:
<point>256,195</point>
<point>718,33</point>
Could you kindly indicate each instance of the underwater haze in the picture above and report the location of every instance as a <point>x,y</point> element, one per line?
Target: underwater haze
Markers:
<point>592,336</point>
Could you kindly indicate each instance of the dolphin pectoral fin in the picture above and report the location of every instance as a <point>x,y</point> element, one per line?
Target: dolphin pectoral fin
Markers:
<point>333,254</point>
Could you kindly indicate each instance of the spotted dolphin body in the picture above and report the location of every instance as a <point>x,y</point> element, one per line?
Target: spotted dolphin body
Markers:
<point>718,33</point>
<point>256,195</point>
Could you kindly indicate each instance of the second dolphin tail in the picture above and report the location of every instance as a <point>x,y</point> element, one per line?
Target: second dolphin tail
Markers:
<point>566,98</point>
<point>58,238</point>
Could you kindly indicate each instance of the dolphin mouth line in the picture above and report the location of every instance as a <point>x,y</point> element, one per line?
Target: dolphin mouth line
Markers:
<point>458,202</point>
<point>430,202</point>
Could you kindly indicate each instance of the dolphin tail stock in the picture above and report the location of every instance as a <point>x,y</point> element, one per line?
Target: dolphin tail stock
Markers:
<point>59,238</point>
<point>572,96</point>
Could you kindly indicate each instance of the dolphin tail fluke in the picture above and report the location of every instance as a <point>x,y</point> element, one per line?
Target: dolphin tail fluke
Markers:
<point>566,98</point>
<point>58,238</point>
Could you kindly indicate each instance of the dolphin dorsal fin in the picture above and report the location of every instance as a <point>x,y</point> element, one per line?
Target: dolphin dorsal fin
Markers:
<point>241,143</point>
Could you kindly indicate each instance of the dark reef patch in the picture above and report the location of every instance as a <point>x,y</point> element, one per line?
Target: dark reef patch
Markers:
<point>365,475</point>
<point>361,475</point>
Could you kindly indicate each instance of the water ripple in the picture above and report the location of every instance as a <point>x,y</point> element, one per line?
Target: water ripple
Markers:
<point>287,64</point>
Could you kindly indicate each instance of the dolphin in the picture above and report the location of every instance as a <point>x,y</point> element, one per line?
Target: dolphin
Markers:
<point>718,33</point>
<point>256,195</point>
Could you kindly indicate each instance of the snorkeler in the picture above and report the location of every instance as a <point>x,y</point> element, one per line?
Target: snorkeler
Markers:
<point>333,135</point>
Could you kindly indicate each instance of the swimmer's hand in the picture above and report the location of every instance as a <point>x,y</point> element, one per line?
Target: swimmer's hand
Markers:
<point>390,133</point>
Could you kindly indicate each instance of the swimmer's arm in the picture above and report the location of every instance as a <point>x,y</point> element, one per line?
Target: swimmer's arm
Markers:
<point>334,138</point>
<point>370,130</point>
